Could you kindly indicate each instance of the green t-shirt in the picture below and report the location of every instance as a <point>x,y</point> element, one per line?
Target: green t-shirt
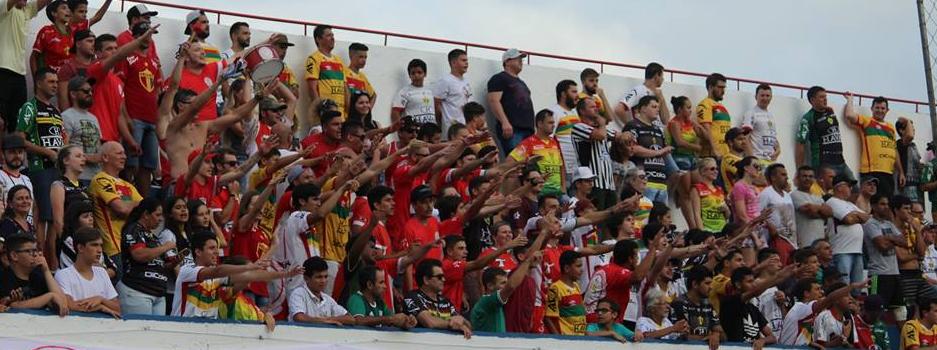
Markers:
<point>357,306</point>
<point>488,314</point>
<point>617,327</point>
<point>880,334</point>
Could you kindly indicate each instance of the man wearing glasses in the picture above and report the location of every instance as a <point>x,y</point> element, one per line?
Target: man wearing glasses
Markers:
<point>82,127</point>
<point>427,303</point>
<point>28,282</point>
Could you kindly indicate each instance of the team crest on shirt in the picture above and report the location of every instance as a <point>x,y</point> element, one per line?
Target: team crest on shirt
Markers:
<point>146,79</point>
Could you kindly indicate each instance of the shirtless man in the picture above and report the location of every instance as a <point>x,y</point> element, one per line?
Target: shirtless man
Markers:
<point>178,112</point>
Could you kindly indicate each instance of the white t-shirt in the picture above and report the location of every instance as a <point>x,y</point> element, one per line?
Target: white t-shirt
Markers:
<point>197,299</point>
<point>454,93</point>
<point>929,265</point>
<point>634,95</point>
<point>416,102</point>
<point>646,324</point>
<point>77,287</point>
<point>302,300</point>
<point>795,330</point>
<point>764,135</point>
<point>768,306</point>
<point>826,324</point>
<point>783,215</point>
<point>565,139</point>
<point>845,239</point>
<point>299,244</point>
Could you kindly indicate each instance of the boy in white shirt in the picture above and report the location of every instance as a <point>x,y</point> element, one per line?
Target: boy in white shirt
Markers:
<point>86,283</point>
<point>414,100</point>
<point>310,304</point>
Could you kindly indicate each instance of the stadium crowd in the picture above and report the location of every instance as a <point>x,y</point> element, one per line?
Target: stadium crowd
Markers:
<point>127,191</point>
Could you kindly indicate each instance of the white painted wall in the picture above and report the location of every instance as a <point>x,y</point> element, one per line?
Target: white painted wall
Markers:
<point>386,70</point>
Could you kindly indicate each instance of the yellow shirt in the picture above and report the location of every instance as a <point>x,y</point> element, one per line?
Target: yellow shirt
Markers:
<point>718,289</point>
<point>358,82</point>
<point>708,111</point>
<point>564,302</point>
<point>913,333</point>
<point>267,214</point>
<point>14,24</point>
<point>729,170</point>
<point>336,226</point>
<point>879,148</point>
<point>329,73</point>
<point>103,189</point>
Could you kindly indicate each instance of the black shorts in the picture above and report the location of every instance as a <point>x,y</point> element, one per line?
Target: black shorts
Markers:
<point>888,287</point>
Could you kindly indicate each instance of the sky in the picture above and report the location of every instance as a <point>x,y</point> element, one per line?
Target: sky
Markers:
<point>865,46</point>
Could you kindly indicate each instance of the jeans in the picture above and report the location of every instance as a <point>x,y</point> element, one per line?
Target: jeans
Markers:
<point>656,194</point>
<point>685,163</point>
<point>144,134</point>
<point>139,303</point>
<point>850,265</point>
<point>507,145</point>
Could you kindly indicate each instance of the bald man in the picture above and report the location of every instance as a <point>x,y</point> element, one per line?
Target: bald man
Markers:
<point>113,198</point>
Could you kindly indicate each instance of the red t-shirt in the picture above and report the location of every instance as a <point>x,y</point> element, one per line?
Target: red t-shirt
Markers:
<point>201,191</point>
<point>444,179</point>
<point>142,79</point>
<point>403,184</point>
<point>80,25</point>
<point>323,146</point>
<point>417,232</point>
<point>251,245</point>
<point>454,286</point>
<point>218,202</point>
<point>54,46</point>
<point>382,241</point>
<point>284,205</point>
<point>108,95</point>
<point>200,82</point>
<point>126,37</point>
<point>71,68</point>
<point>618,285</point>
<point>519,310</point>
<point>551,263</point>
<point>505,261</point>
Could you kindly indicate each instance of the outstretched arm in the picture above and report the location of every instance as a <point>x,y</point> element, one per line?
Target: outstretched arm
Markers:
<point>165,106</point>
<point>483,261</point>
<point>99,14</point>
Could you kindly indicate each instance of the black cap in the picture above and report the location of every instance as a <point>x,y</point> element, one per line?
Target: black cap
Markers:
<point>420,193</point>
<point>51,7</point>
<point>734,133</point>
<point>80,35</point>
<point>843,178</point>
<point>12,141</point>
<point>140,10</point>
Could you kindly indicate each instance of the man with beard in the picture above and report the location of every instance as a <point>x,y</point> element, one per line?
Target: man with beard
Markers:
<point>82,56</point>
<point>197,23</point>
<point>590,88</point>
<point>81,126</point>
<point>240,35</point>
<point>141,79</point>
<point>136,14</point>
<point>564,111</point>
<point>714,117</point>
<point>14,153</point>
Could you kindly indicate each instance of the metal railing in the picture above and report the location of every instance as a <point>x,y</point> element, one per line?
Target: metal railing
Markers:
<point>467,45</point>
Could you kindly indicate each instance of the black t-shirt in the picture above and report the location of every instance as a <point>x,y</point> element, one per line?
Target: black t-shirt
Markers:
<point>146,277</point>
<point>10,228</point>
<point>701,318</point>
<point>416,302</point>
<point>515,100</point>
<point>824,133</point>
<point>477,234</point>
<point>35,286</point>
<point>741,321</point>
<point>650,137</point>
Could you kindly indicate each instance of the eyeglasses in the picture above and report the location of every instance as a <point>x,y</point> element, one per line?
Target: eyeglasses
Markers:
<point>32,251</point>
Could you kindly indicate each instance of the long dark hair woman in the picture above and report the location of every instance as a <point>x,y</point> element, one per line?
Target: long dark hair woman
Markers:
<point>176,227</point>
<point>142,287</point>
<point>360,110</point>
<point>15,221</point>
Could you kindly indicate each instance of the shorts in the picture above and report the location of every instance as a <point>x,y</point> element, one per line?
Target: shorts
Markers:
<point>144,134</point>
<point>685,162</point>
<point>888,288</point>
<point>42,185</point>
<point>913,286</point>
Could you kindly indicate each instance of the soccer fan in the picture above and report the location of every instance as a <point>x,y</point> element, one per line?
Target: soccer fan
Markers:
<point>811,211</point>
<point>650,150</point>
<point>738,142</point>
<point>625,270</point>
<point>143,285</point>
<point>819,128</point>
<point>592,140</point>
<point>655,323</point>
<point>708,199</point>
<point>764,135</point>
<point>685,134</point>
<point>701,317</point>
<point>911,160</point>
<point>113,197</point>
<point>544,147</point>
<point>488,312</point>
<point>608,325</point>
<point>881,237</point>
<point>414,100</point>
<point>798,328</point>
<point>82,56</point>
<point>742,320</point>
<point>782,234</point>
<point>428,304</point>
<point>356,80</point>
<point>847,243</point>
<point>590,88</point>
<point>714,117</point>
<point>311,304</point>
<point>240,36</point>
<point>86,284</point>
<point>367,304</point>
<point>456,267</point>
<point>53,44</point>
<point>566,116</point>
<point>27,281</point>
<point>510,102</point>
<point>833,327</point>
<point>82,127</point>
<point>14,23</point>
<point>879,158</point>
<point>565,312</point>
<point>452,91</point>
<point>325,72</point>
<point>79,19</point>
<point>626,109</point>
<point>136,14</point>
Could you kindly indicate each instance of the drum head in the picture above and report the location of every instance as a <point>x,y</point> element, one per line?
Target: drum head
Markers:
<point>267,71</point>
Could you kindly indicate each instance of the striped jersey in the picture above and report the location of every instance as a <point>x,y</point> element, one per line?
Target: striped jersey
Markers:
<point>565,303</point>
<point>565,121</point>
<point>711,112</point>
<point>329,73</point>
<point>595,154</point>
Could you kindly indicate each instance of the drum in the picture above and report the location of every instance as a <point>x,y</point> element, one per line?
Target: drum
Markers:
<point>263,63</point>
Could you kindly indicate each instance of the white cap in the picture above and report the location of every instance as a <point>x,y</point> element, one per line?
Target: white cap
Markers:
<point>583,173</point>
<point>511,54</point>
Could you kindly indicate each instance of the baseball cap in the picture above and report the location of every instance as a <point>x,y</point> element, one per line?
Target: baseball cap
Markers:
<point>294,173</point>
<point>80,35</point>
<point>271,103</point>
<point>140,10</point>
<point>420,193</point>
<point>871,179</point>
<point>873,302</point>
<point>191,17</point>
<point>12,141</point>
<point>843,178</point>
<point>734,133</point>
<point>583,173</point>
<point>195,154</point>
<point>78,81</point>
<point>51,7</point>
<point>282,40</point>
<point>512,53</point>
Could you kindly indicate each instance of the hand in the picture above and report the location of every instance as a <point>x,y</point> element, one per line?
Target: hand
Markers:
<point>780,297</point>
<point>270,87</point>
<point>666,150</point>
<point>758,344</point>
<point>512,202</point>
<point>901,180</point>
<point>681,327</point>
<point>411,321</point>
<point>507,131</point>
<point>638,337</point>
<point>399,320</point>
<point>134,148</point>
<point>519,241</point>
<point>62,302</point>
<point>534,159</point>
<point>169,245</point>
<point>713,341</point>
<point>330,321</point>
<point>860,284</point>
<point>234,187</point>
<point>269,144</point>
<point>352,185</point>
<point>148,35</point>
<point>295,271</point>
<point>113,313</point>
<point>618,337</point>
<point>90,303</point>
